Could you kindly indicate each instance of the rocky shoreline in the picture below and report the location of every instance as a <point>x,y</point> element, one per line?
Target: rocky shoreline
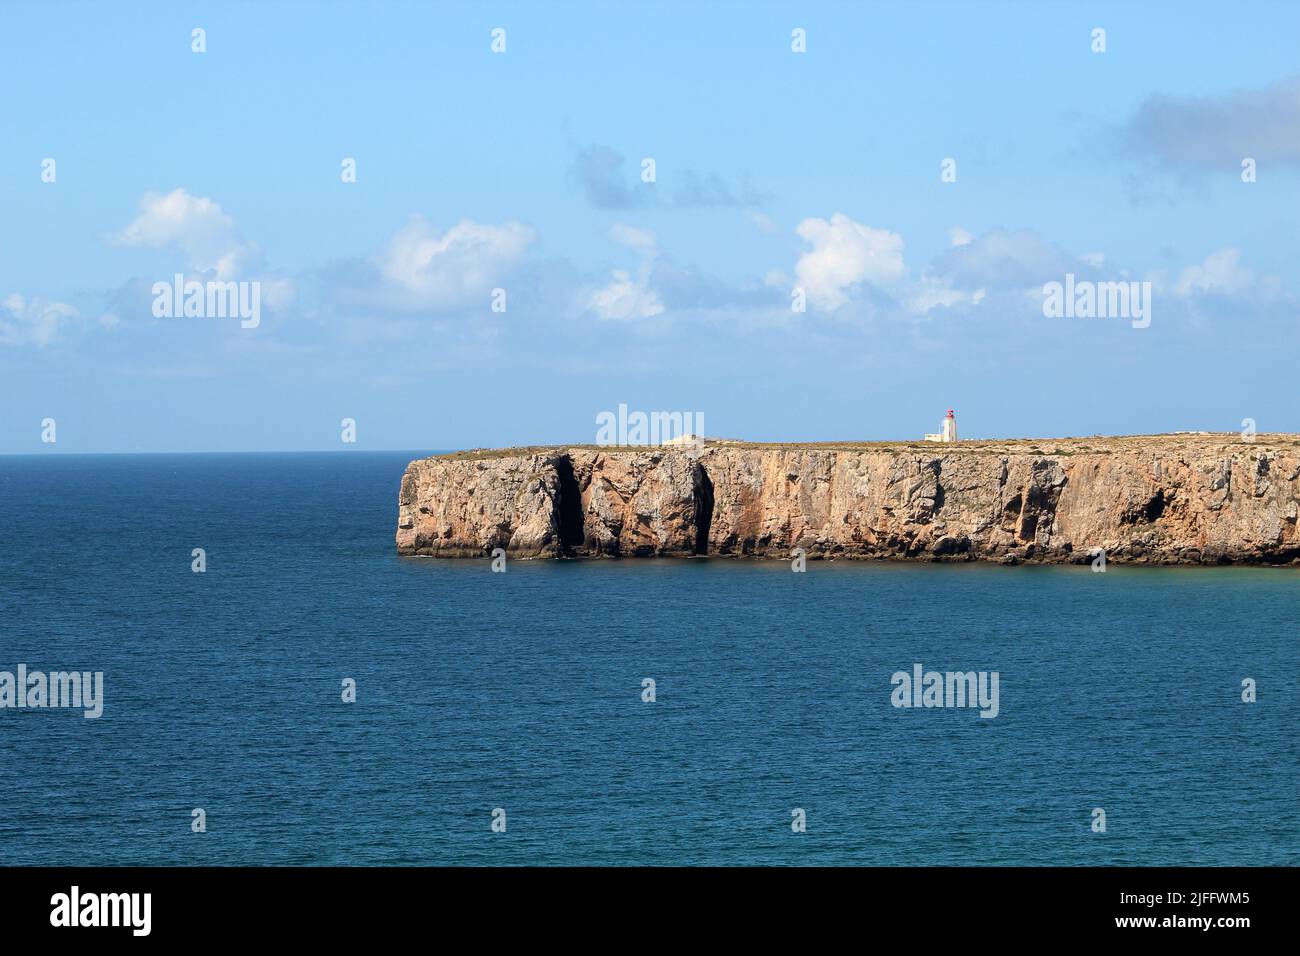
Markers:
<point>1163,499</point>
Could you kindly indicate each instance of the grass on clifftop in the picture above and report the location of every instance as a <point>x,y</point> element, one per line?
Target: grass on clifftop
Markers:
<point>1197,442</point>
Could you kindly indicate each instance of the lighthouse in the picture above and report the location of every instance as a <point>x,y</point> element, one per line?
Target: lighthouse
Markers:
<point>949,428</point>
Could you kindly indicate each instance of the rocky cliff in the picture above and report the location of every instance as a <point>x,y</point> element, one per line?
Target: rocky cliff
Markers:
<point>1171,499</point>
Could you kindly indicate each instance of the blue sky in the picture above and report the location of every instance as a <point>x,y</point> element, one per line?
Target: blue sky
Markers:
<point>520,170</point>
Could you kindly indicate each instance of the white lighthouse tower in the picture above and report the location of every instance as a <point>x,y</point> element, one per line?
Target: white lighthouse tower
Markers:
<point>949,428</point>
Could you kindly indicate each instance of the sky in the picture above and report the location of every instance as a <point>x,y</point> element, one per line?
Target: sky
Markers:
<point>842,231</point>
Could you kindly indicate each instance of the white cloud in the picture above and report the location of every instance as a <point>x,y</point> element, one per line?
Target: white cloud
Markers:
<point>32,321</point>
<point>959,236</point>
<point>202,231</point>
<point>844,254</point>
<point>933,293</point>
<point>454,267</point>
<point>1002,259</point>
<point>625,297</point>
<point>194,224</point>
<point>642,239</point>
<point>1219,274</point>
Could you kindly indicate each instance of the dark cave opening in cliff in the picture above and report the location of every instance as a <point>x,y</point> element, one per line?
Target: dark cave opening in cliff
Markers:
<point>703,509</point>
<point>570,506</point>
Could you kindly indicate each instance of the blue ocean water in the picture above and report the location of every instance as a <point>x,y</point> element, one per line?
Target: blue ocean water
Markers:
<point>523,691</point>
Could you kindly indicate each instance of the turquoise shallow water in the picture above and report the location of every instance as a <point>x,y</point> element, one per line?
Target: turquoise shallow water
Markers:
<point>523,691</point>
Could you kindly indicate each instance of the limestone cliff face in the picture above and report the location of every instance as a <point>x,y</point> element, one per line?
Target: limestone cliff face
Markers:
<point>467,508</point>
<point>1163,499</point>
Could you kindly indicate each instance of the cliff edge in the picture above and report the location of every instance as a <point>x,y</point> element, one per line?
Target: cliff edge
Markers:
<point>1161,499</point>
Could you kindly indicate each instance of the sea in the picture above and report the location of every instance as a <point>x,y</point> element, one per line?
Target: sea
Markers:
<point>631,712</point>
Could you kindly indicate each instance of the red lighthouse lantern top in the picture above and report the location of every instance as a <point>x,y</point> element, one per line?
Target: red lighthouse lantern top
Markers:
<point>950,415</point>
